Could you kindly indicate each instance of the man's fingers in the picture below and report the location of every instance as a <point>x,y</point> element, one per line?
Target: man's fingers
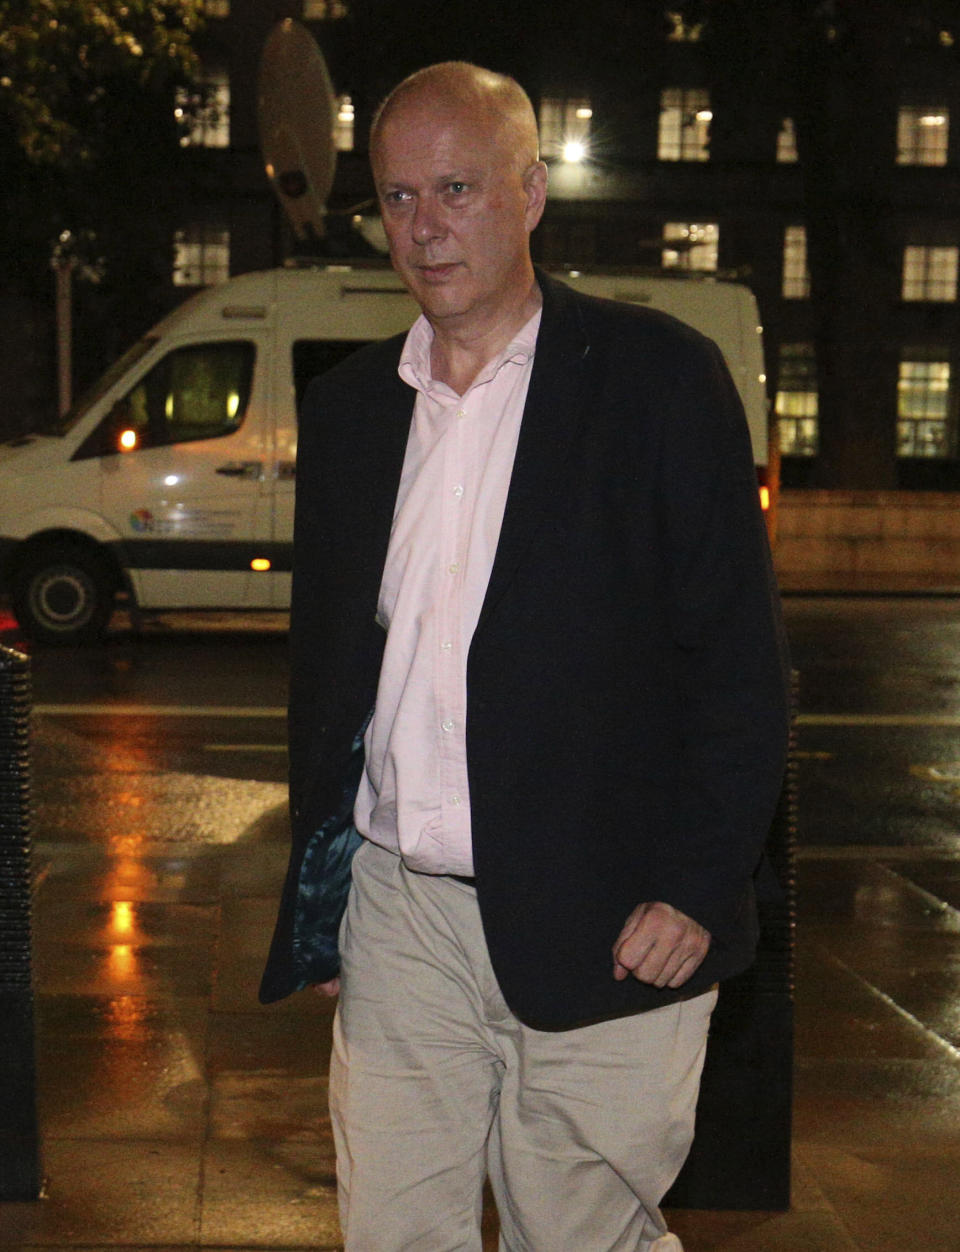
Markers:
<point>331,988</point>
<point>659,945</point>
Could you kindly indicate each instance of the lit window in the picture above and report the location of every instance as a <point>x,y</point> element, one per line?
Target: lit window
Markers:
<point>204,112</point>
<point>796,277</point>
<point>923,135</point>
<point>685,117</point>
<point>924,428</point>
<point>929,273</point>
<point>324,10</point>
<point>216,8</point>
<point>565,128</point>
<point>787,142</point>
<point>796,400</point>
<point>201,256</point>
<point>343,124</point>
<point>680,30</point>
<point>200,391</point>
<point>690,246</point>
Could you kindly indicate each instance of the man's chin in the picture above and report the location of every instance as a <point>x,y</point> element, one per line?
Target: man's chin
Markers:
<point>443,300</point>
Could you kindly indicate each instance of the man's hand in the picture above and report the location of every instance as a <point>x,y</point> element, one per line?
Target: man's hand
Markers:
<point>331,988</point>
<point>659,945</point>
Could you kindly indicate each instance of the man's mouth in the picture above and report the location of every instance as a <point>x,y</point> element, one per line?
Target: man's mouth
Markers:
<point>437,271</point>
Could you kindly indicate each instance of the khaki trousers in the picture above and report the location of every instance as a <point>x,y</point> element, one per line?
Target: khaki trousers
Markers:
<point>435,1084</point>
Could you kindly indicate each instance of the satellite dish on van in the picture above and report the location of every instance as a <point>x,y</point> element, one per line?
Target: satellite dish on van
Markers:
<point>295,112</point>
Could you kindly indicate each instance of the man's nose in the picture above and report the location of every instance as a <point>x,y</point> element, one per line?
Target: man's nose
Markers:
<point>427,222</point>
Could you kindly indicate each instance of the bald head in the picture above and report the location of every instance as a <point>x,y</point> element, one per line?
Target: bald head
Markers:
<point>454,156</point>
<point>459,88</point>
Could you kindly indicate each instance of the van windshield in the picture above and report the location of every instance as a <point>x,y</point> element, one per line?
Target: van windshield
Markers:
<point>103,384</point>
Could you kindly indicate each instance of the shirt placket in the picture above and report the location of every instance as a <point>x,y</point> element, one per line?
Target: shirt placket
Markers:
<point>450,680</point>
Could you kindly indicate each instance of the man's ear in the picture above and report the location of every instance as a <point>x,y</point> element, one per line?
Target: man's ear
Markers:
<point>535,186</point>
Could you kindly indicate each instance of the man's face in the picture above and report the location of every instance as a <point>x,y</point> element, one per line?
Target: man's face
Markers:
<point>457,210</point>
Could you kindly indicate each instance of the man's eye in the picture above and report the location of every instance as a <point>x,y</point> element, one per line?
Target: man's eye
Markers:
<point>397,197</point>
<point>457,188</point>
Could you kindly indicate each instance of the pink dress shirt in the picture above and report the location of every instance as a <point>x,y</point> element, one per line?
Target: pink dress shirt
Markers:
<point>414,795</point>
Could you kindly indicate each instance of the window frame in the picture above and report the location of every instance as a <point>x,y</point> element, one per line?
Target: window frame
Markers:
<point>683,133</point>
<point>920,142</point>
<point>930,273</point>
<point>797,363</point>
<point>922,444</point>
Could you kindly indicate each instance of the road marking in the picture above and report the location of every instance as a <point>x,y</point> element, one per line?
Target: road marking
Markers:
<point>244,747</point>
<point>276,711</point>
<point>951,1049</point>
<point>879,719</point>
<point>933,773</point>
<point>876,852</point>
<point>940,905</point>
<point>161,710</point>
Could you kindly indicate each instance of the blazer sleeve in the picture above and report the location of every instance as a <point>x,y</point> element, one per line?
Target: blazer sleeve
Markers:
<point>730,661</point>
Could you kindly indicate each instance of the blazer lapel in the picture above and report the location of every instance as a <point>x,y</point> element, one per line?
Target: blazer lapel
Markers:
<point>550,418</point>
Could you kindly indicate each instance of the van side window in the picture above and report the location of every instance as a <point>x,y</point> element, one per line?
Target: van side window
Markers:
<point>196,392</point>
<point>315,356</point>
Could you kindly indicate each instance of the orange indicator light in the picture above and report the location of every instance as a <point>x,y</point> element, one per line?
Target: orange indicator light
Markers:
<point>260,563</point>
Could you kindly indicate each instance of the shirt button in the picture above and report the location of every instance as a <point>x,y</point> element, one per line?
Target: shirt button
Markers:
<point>446,725</point>
<point>456,801</point>
<point>453,567</point>
<point>458,491</point>
<point>461,412</point>
<point>446,646</point>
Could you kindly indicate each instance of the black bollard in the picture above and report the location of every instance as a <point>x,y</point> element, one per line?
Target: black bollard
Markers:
<point>19,1148</point>
<point>741,1154</point>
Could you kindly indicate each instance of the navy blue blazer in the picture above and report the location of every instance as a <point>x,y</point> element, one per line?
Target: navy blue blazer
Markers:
<point>627,683</point>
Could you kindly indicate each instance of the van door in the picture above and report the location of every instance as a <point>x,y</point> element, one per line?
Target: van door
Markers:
<point>183,476</point>
<point>304,359</point>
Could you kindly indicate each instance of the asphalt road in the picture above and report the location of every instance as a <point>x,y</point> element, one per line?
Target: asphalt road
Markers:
<point>202,696</point>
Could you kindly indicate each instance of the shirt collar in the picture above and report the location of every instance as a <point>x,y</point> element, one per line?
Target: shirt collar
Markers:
<point>414,367</point>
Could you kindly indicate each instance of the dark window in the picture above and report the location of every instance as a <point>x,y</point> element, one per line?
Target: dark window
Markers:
<point>312,357</point>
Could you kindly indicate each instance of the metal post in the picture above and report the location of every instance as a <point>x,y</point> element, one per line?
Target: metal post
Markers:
<point>19,1148</point>
<point>741,1154</point>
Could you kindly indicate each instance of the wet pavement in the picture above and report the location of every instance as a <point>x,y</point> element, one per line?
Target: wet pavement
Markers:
<point>176,1112</point>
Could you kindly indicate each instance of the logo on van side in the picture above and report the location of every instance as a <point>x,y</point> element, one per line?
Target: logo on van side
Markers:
<point>141,520</point>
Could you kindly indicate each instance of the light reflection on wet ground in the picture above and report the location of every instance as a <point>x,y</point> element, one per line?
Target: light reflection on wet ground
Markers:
<point>177,1112</point>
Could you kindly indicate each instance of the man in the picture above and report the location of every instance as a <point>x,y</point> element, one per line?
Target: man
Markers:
<point>528,538</point>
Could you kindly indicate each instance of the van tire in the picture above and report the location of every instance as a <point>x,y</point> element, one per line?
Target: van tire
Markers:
<point>63,593</point>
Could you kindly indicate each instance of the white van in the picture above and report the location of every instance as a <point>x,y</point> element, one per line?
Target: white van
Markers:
<point>173,480</point>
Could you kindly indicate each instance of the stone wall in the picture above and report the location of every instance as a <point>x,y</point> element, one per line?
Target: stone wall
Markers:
<point>868,540</point>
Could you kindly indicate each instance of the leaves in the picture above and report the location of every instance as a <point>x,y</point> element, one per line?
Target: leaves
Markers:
<point>59,58</point>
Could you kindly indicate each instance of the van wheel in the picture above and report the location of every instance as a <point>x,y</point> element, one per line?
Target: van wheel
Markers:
<point>64,594</point>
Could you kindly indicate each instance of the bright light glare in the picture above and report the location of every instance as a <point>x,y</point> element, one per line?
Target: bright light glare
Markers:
<point>128,440</point>
<point>233,404</point>
<point>260,564</point>
<point>764,498</point>
<point>574,151</point>
<point>122,917</point>
<point>933,119</point>
<point>171,480</point>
